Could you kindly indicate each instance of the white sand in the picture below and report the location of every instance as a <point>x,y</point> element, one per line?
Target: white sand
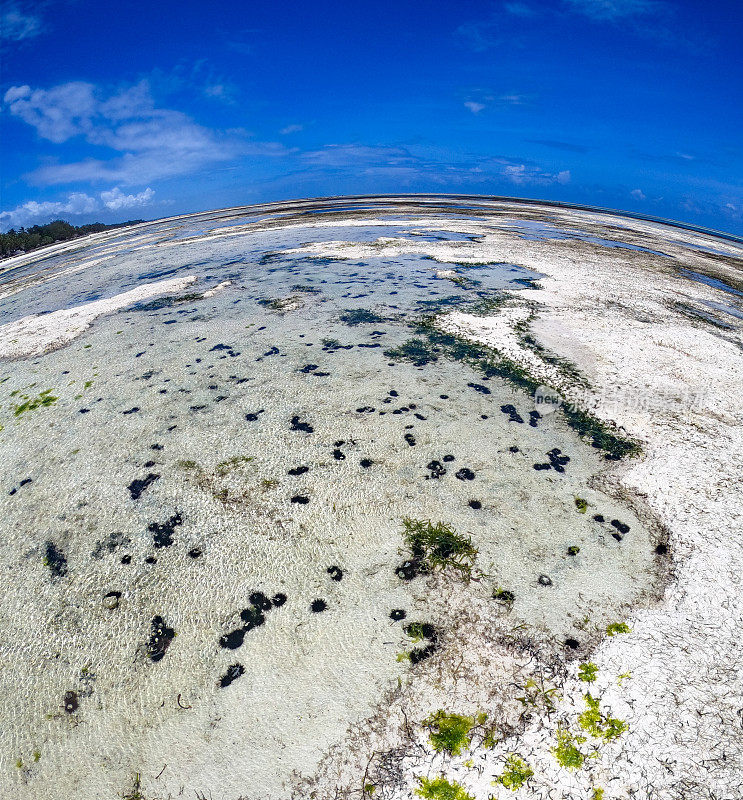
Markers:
<point>40,333</point>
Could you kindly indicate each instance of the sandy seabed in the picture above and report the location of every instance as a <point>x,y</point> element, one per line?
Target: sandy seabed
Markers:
<point>254,342</point>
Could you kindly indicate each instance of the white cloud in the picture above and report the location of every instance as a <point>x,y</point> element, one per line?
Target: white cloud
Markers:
<point>474,107</point>
<point>76,204</point>
<point>33,212</point>
<point>291,129</point>
<point>521,174</point>
<point>115,199</point>
<point>151,142</point>
<point>638,194</point>
<point>18,22</point>
<point>57,114</point>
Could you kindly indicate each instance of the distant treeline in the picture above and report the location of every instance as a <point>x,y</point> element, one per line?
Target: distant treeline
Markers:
<point>25,239</point>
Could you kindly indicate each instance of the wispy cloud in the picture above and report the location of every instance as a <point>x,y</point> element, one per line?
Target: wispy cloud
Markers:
<point>150,142</point>
<point>612,10</point>
<point>474,107</point>
<point>480,99</point>
<point>75,204</point>
<point>520,9</point>
<point>399,163</point>
<point>638,194</point>
<point>643,17</point>
<point>19,21</point>
<point>531,174</point>
<point>352,155</point>
<point>295,128</point>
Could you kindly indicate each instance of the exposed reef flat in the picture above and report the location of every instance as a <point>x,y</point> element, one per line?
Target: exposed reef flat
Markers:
<point>286,520</point>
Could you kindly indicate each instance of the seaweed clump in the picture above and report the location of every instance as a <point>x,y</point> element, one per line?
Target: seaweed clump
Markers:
<point>516,773</point>
<point>598,724</point>
<point>45,398</point>
<point>490,363</point>
<point>436,546</point>
<point>360,316</point>
<point>450,733</point>
<point>55,559</point>
<point>441,789</point>
<point>418,632</point>
<point>567,752</point>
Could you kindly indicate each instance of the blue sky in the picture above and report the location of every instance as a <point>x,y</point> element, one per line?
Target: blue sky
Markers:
<point>129,110</point>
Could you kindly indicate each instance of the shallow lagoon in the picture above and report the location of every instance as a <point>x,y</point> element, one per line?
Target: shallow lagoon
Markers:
<point>204,450</point>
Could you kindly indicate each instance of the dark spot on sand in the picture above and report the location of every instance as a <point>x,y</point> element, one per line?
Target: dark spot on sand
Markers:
<point>476,504</point>
<point>55,559</point>
<point>259,600</point>
<point>297,470</point>
<point>318,606</point>
<point>160,638</point>
<point>301,499</point>
<point>162,532</point>
<point>136,487</point>
<point>622,527</point>
<point>296,425</point>
<point>278,599</point>
<point>545,580</point>
<point>336,573</point>
<point>465,474</point>
<point>253,617</point>
<point>70,702</point>
<point>397,614</point>
<point>573,644</point>
<point>233,639</point>
<point>234,671</point>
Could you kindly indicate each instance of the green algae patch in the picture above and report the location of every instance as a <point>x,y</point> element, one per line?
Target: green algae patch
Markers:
<point>431,343</point>
<point>567,752</point>
<point>451,733</point>
<point>225,467</point>
<point>581,505</point>
<point>165,302</point>
<point>516,773</point>
<point>43,399</point>
<point>417,351</point>
<point>598,724</point>
<point>360,316</point>
<point>438,546</point>
<point>587,672</point>
<point>441,789</point>
<point>536,694</point>
<point>617,627</point>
